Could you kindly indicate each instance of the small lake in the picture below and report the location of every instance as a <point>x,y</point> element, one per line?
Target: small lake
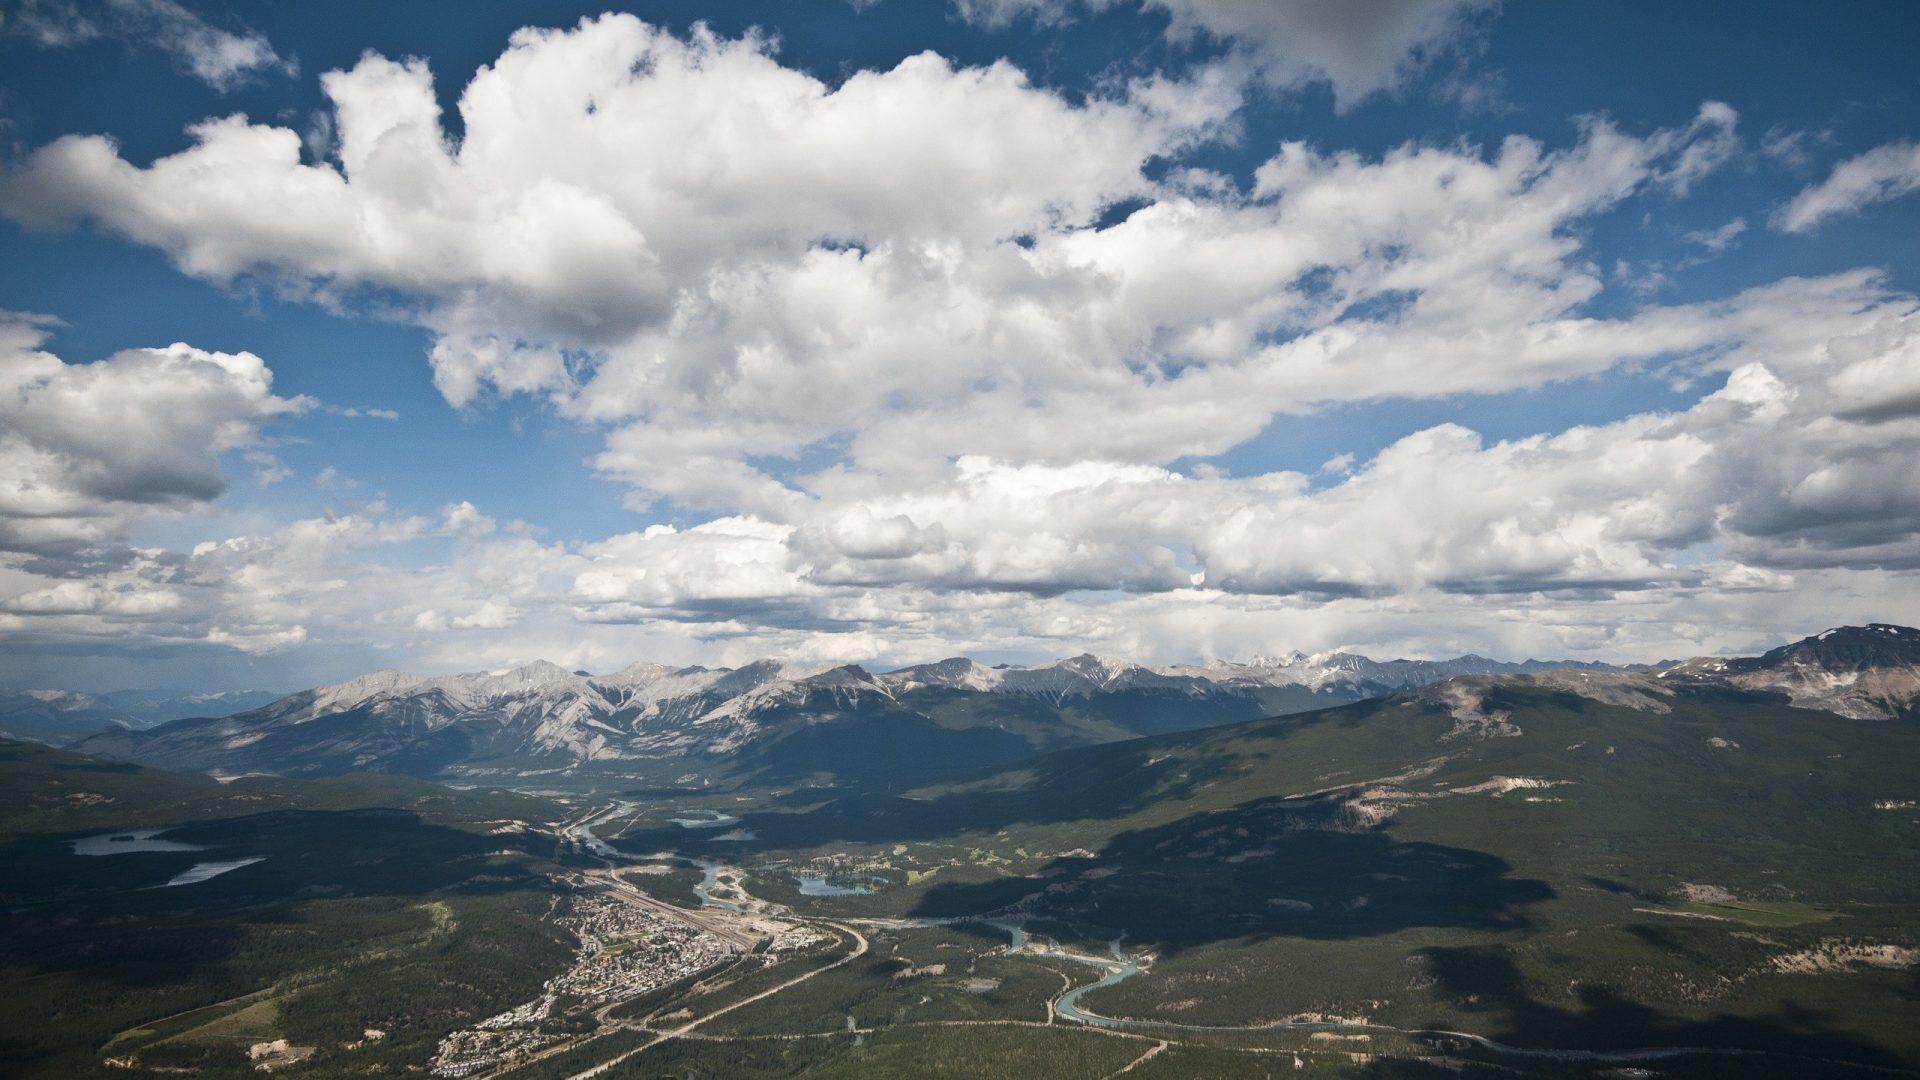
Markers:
<point>129,841</point>
<point>818,885</point>
<point>200,872</point>
<point>714,820</point>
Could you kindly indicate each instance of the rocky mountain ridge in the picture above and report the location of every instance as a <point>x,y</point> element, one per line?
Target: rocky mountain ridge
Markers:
<point>543,712</point>
<point>544,716</point>
<point>1867,672</point>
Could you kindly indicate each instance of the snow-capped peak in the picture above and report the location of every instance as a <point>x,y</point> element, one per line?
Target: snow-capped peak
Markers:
<point>1264,660</point>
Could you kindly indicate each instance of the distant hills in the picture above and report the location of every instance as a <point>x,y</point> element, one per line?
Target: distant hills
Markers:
<point>60,716</point>
<point>781,722</point>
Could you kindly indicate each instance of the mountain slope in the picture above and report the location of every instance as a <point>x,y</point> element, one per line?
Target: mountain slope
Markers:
<point>764,720</point>
<point>1868,672</point>
<point>352,903</point>
<point>777,723</point>
<point>1569,859</point>
<point>56,716</point>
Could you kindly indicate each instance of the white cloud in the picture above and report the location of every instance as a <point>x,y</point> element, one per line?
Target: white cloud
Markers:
<point>999,344</point>
<point>1883,173</point>
<point>1799,460</point>
<point>354,413</point>
<point>464,519</point>
<point>93,597</point>
<point>561,207</point>
<point>1716,241</point>
<point>1786,497</point>
<point>330,479</point>
<point>252,639</point>
<point>728,563</point>
<point>782,279</point>
<point>1359,49</point>
<point>220,58</point>
<point>50,24</point>
<point>87,449</point>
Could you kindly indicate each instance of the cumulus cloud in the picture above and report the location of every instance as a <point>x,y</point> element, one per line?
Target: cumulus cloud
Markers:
<point>1785,494</point>
<point>1004,330</point>
<point>87,449</point>
<point>1358,49</point>
<point>344,589</point>
<point>559,206</point>
<point>1797,460</point>
<point>782,279</point>
<point>1794,470</point>
<point>220,58</point>
<point>1883,173</point>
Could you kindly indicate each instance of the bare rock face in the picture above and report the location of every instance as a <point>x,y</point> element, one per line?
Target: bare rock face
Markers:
<point>1466,701</point>
<point>543,715</point>
<point>1629,690</point>
<point>1834,955</point>
<point>1704,894</point>
<point>1465,697</point>
<point>1867,672</point>
<point>1861,672</point>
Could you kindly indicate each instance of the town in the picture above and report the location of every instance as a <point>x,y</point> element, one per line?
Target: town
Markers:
<point>626,949</point>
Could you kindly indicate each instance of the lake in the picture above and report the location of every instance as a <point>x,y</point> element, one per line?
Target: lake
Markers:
<point>129,841</point>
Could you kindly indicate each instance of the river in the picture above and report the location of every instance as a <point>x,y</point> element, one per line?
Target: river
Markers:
<point>710,868</point>
<point>1123,967</point>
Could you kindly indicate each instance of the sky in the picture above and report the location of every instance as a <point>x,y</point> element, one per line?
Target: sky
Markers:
<point>449,336</point>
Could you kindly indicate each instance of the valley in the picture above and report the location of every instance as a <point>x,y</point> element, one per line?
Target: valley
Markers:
<point>967,540</point>
<point>1559,873</point>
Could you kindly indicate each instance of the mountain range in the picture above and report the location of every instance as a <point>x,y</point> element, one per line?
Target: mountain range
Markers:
<point>543,716</point>
<point>782,722</point>
<point>60,716</point>
<point>1570,860</point>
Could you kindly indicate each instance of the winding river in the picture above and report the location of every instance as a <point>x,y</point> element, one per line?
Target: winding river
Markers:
<point>1067,1004</point>
<point>1122,967</point>
<point>710,868</point>
<point>1067,1008</point>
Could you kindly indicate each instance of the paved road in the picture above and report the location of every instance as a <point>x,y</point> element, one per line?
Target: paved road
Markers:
<point>698,920</point>
<point>859,950</point>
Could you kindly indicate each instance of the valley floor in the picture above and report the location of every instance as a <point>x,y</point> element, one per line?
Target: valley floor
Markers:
<point>985,997</point>
<point>1530,883</point>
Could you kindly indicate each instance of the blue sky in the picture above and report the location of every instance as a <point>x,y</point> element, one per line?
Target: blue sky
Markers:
<point>1055,481</point>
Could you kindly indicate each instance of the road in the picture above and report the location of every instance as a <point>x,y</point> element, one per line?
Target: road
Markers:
<point>699,920</point>
<point>718,920</point>
<point>859,950</point>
